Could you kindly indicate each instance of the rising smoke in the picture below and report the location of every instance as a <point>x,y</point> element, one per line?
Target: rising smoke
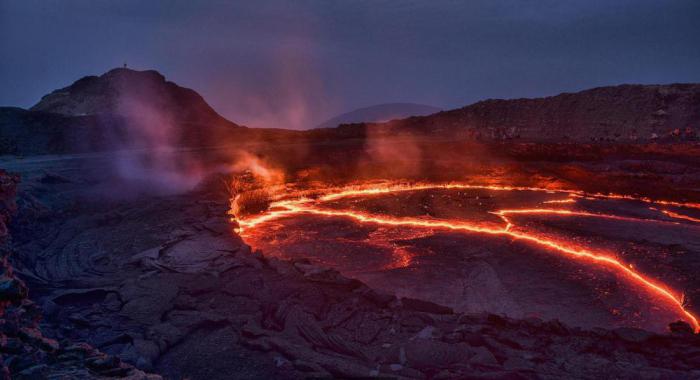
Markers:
<point>149,153</point>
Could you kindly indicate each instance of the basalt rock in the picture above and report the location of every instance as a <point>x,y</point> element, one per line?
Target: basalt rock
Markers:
<point>25,352</point>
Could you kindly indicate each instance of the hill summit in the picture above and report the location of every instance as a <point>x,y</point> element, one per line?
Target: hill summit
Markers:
<point>119,90</point>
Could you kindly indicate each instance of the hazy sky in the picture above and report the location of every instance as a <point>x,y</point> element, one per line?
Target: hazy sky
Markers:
<point>293,64</point>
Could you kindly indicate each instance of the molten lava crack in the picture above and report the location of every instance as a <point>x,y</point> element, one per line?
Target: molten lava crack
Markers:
<point>681,216</point>
<point>291,207</point>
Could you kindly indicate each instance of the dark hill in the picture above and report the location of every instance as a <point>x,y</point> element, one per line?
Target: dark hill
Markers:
<point>625,113</point>
<point>119,90</point>
<point>121,109</point>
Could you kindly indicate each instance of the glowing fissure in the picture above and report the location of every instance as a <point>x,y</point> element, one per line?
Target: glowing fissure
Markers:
<point>287,208</point>
<point>681,216</point>
<point>393,188</point>
<point>532,211</point>
<point>567,200</point>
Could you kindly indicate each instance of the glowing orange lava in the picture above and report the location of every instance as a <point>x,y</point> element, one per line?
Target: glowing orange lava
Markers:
<point>533,211</point>
<point>567,200</point>
<point>680,216</point>
<point>291,207</point>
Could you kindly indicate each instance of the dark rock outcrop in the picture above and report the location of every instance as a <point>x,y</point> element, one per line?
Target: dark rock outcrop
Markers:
<point>25,352</point>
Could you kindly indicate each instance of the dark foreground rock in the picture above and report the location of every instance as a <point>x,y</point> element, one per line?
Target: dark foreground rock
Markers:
<point>164,284</point>
<point>25,353</point>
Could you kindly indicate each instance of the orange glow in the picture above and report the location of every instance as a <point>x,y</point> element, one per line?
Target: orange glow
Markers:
<point>680,216</point>
<point>567,200</point>
<point>289,208</point>
<point>534,211</point>
<point>385,188</point>
<point>647,200</point>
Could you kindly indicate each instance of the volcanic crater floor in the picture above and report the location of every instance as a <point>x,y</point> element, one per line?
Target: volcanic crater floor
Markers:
<point>162,281</point>
<point>590,260</point>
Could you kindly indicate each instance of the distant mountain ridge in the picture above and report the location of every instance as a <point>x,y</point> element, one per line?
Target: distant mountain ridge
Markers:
<point>124,109</point>
<point>624,113</point>
<point>380,113</point>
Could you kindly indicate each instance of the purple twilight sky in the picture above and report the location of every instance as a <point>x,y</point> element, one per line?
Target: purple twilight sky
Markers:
<point>293,64</point>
